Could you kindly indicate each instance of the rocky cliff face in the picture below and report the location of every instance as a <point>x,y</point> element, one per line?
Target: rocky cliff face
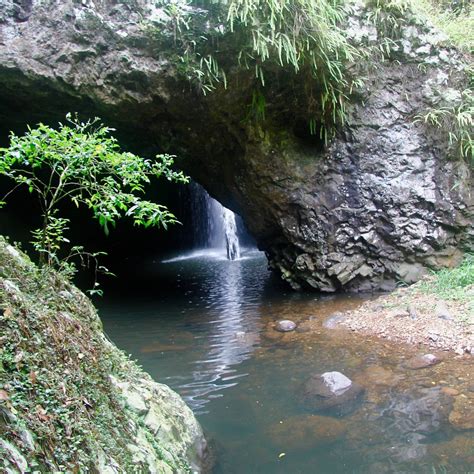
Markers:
<point>384,202</point>
<point>70,401</point>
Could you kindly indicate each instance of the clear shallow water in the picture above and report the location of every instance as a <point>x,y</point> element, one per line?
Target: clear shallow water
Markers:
<point>200,323</point>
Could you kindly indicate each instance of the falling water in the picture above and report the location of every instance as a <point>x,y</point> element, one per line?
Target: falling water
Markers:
<point>231,237</point>
<point>215,227</point>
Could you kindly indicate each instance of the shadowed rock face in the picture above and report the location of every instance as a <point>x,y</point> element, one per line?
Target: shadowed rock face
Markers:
<point>382,203</point>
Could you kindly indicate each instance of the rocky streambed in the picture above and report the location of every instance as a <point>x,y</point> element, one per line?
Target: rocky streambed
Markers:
<point>401,406</point>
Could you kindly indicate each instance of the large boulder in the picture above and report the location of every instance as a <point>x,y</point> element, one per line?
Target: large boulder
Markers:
<point>122,420</point>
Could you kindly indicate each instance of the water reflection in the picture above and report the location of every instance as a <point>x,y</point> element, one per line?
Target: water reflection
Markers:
<point>230,336</point>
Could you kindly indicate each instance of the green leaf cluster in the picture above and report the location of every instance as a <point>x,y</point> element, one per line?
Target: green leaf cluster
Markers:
<point>82,162</point>
<point>215,40</point>
<point>457,122</point>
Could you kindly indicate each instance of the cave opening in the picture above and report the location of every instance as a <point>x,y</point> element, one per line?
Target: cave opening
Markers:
<point>204,225</point>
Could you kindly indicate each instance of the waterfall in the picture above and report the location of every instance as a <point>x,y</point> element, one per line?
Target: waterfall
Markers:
<point>214,226</point>
<point>231,237</point>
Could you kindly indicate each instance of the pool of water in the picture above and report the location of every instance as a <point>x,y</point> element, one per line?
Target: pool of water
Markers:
<point>202,325</point>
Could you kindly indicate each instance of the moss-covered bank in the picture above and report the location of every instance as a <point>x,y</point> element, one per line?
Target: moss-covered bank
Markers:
<point>70,401</point>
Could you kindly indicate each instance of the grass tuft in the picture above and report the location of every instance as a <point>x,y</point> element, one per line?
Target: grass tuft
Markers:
<point>456,284</point>
<point>456,23</point>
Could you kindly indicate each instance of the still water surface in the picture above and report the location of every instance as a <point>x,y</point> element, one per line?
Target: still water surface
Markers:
<point>200,323</point>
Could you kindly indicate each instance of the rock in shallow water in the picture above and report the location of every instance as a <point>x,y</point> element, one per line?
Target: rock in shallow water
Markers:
<point>423,412</point>
<point>285,325</point>
<point>333,320</point>
<point>305,432</point>
<point>422,361</point>
<point>462,416</point>
<point>331,391</point>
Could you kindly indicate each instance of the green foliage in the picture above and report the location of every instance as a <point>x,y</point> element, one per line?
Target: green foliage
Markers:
<point>450,281</point>
<point>304,36</point>
<point>389,16</point>
<point>261,37</point>
<point>235,42</point>
<point>82,163</point>
<point>454,284</point>
<point>458,123</point>
<point>454,18</point>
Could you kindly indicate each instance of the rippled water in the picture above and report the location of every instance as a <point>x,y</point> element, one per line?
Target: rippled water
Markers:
<point>200,323</point>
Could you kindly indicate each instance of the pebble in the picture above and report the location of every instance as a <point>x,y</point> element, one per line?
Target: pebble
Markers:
<point>285,325</point>
<point>450,391</point>
<point>442,311</point>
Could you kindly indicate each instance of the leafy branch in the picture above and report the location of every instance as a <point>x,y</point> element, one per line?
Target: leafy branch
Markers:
<point>457,122</point>
<point>216,40</point>
<point>82,163</point>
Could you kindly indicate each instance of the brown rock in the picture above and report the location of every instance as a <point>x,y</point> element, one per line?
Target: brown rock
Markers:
<point>462,414</point>
<point>270,334</point>
<point>450,391</point>
<point>377,375</point>
<point>304,432</point>
<point>306,326</point>
<point>422,361</point>
<point>459,449</point>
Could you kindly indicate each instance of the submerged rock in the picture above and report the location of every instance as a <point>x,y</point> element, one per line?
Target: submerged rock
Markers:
<point>377,375</point>
<point>331,391</point>
<point>452,392</point>
<point>462,415</point>
<point>285,325</point>
<point>332,321</point>
<point>422,361</point>
<point>422,412</point>
<point>305,432</point>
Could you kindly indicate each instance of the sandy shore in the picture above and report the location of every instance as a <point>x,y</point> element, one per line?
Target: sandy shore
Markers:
<point>416,317</point>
